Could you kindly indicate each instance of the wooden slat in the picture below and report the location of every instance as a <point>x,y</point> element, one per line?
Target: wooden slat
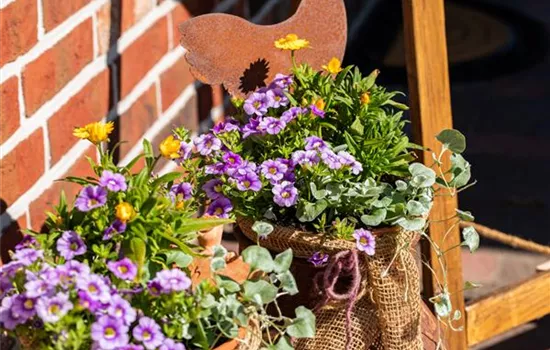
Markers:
<point>508,308</point>
<point>428,77</point>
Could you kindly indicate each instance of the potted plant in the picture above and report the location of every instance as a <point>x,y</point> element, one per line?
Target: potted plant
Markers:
<point>318,161</point>
<point>113,272</point>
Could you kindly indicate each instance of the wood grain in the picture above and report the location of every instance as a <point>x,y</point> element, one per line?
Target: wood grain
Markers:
<point>508,308</point>
<point>428,78</point>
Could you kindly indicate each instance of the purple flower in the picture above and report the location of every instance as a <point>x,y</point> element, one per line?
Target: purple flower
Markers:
<point>249,181</point>
<point>116,227</point>
<point>9,319</point>
<point>232,159</point>
<point>131,347</point>
<point>24,306</point>
<point>109,333</point>
<point>281,81</point>
<point>254,127</point>
<point>365,241</point>
<point>213,188</point>
<point>242,169</point>
<point>154,287</point>
<point>215,169</point>
<point>38,287</point>
<point>170,344</point>
<point>276,98</point>
<point>274,170</point>
<point>207,144</point>
<point>348,160</point>
<point>318,258</point>
<point>95,286</point>
<point>113,182</point>
<point>305,158</point>
<point>51,310</point>
<point>221,208</point>
<point>317,111</point>
<point>285,194</point>
<point>257,104</point>
<point>64,276</point>
<point>331,159</point>
<point>315,143</point>
<point>5,286</point>
<point>28,241</point>
<point>227,125</point>
<point>27,256</point>
<point>184,152</point>
<point>292,113</point>
<point>273,126</point>
<point>70,245</point>
<point>121,309</point>
<point>11,268</point>
<point>124,269</point>
<point>173,280</point>
<point>148,332</point>
<point>85,302</point>
<point>76,268</point>
<point>184,189</point>
<point>91,197</point>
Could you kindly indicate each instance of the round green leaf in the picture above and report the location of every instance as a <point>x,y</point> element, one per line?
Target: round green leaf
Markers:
<point>415,224</point>
<point>260,291</point>
<point>416,208</point>
<point>258,258</point>
<point>375,218</point>
<point>303,326</point>
<point>465,215</point>
<point>471,238</point>
<point>453,140</point>
<point>288,283</point>
<point>442,304</point>
<point>283,261</point>
<point>262,228</point>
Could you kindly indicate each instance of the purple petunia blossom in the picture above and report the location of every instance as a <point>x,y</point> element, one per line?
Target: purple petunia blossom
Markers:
<point>37,288</point>
<point>254,127</point>
<point>213,188</point>
<point>305,158</point>
<point>215,169</point>
<point>5,286</point>
<point>315,143</point>
<point>318,258</point>
<point>249,182</point>
<point>273,170</point>
<point>24,306</point>
<point>70,244</point>
<point>317,111</point>
<point>85,302</point>
<point>27,256</point>
<point>91,197</point>
<point>173,280</point>
<point>207,144</point>
<point>109,333</point>
<point>292,113</point>
<point>132,347</point>
<point>95,286</point>
<point>281,81</point>
<point>121,309</point>
<point>285,194</point>
<point>170,344</point>
<point>242,169</point>
<point>365,241</point>
<point>256,104</point>
<point>148,332</point>
<point>154,287</point>
<point>11,268</point>
<point>115,228</point>
<point>184,152</point>
<point>9,319</point>
<point>276,98</point>
<point>112,181</point>
<point>272,126</point>
<point>227,125</point>
<point>51,310</point>
<point>348,160</point>
<point>124,269</point>
<point>76,268</point>
<point>220,208</point>
<point>27,241</point>
<point>232,159</point>
<point>331,159</point>
<point>184,189</point>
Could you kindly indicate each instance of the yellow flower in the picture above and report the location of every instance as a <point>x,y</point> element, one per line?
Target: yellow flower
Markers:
<point>320,103</point>
<point>291,42</point>
<point>365,98</point>
<point>124,211</point>
<point>95,132</point>
<point>180,204</point>
<point>334,66</point>
<point>169,147</point>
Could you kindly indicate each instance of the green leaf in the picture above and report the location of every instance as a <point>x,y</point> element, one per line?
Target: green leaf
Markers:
<point>317,194</point>
<point>453,140</point>
<point>181,245</point>
<point>263,229</point>
<point>465,215</point>
<point>422,175</point>
<point>219,251</point>
<point>460,168</point>
<point>166,178</point>
<point>375,218</point>
<point>260,291</point>
<point>258,258</point>
<point>442,304</point>
<point>199,224</point>
<point>308,212</point>
<point>415,208</point>
<point>283,261</point>
<point>457,315</point>
<point>303,326</point>
<point>415,224</point>
<point>288,283</point>
<point>357,127</point>
<point>179,258</point>
<point>401,185</point>
<point>217,264</point>
<point>471,285</point>
<point>370,79</point>
<point>228,284</point>
<point>471,238</point>
<point>282,344</point>
<point>137,251</point>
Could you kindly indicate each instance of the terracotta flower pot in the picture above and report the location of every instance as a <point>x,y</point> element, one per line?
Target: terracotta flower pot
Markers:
<point>208,239</point>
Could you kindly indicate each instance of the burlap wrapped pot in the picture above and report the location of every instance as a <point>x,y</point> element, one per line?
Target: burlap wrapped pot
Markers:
<point>383,313</point>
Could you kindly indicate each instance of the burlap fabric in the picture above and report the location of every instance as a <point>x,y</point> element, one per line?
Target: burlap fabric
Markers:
<point>386,315</point>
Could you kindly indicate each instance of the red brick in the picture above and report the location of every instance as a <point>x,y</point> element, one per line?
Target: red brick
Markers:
<point>173,81</point>
<point>50,197</point>
<point>57,11</point>
<point>89,105</point>
<point>18,31</point>
<point>142,55</point>
<point>46,75</point>
<point>133,11</point>
<point>11,235</point>
<point>9,108</point>
<point>179,15</point>
<point>138,119</point>
<point>20,168</point>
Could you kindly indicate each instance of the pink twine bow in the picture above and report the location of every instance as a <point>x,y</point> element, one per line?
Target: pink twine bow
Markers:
<point>343,264</point>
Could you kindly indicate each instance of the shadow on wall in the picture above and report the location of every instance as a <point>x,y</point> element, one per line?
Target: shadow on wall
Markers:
<point>11,235</point>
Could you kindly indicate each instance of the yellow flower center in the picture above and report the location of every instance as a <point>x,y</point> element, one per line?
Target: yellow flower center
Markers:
<point>29,304</point>
<point>118,312</point>
<point>273,170</point>
<point>74,246</point>
<point>110,332</point>
<point>122,269</point>
<point>53,309</point>
<point>218,188</point>
<point>246,183</point>
<point>146,335</point>
<point>285,195</point>
<point>363,240</point>
<point>92,288</point>
<point>92,202</point>
<point>218,211</point>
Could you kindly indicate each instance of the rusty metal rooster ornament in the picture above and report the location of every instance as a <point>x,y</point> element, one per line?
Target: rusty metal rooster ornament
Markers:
<point>228,50</point>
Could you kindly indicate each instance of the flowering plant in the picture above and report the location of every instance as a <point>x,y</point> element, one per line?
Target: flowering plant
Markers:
<point>111,272</point>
